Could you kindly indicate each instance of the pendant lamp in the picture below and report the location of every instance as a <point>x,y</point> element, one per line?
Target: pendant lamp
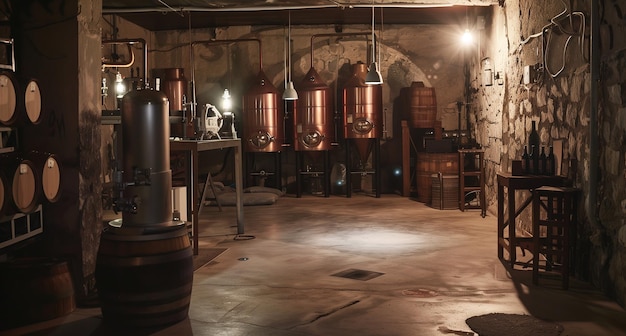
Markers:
<point>373,74</point>
<point>290,91</point>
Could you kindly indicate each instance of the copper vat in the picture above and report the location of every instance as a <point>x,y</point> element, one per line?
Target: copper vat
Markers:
<point>362,110</point>
<point>263,117</point>
<point>174,85</point>
<point>313,116</point>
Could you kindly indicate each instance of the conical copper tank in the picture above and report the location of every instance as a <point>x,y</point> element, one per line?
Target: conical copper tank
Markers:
<point>362,110</point>
<point>263,117</point>
<point>313,116</point>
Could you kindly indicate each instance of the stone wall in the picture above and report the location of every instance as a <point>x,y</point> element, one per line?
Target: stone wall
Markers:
<point>560,102</point>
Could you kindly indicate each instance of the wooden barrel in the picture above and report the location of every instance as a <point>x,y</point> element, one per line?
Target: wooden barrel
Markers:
<point>144,280</point>
<point>49,173</point>
<point>34,290</point>
<point>32,101</point>
<point>423,106</point>
<point>9,89</point>
<point>25,186</point>
<point>433,163</point>
<point>5,196</point>
<point>445,191</point>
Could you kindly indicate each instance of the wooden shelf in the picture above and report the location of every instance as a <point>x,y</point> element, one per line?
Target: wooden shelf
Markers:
<point>20,226</point>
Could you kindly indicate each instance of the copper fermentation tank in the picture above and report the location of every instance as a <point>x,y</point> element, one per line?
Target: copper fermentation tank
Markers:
<point>174,85</point>
<point>362,110</point>
<point>313,116</point>
<point>146,150</point>
<point>263,117</point>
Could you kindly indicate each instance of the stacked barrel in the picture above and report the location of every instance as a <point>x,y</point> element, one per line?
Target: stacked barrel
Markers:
<point>27,178</point>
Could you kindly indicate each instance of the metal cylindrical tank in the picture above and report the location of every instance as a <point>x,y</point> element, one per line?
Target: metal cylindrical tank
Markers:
<point>146,161</point>
<point>313,117</point>
<point>174,85</point>
<point>362,106</point>
<point>263,117</point>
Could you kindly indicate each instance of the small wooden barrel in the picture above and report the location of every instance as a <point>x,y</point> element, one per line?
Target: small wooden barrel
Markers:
<point>433,163</point>
<point>25,186</point>
<point>5,196</point>
<point>423,106</point>
<point>144,280</point>
<point>8,98</point>
<point>49,172</point>
<point>32,101</point>
<point>34,290</point>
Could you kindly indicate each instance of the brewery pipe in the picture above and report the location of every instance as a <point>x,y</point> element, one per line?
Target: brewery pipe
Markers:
<point>130,42</point>
<point>272,8</point>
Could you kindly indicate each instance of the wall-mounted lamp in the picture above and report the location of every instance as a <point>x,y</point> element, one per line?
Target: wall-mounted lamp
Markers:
<point>290,91</point>
<point>227,103</point>
<point>120,87</point>
<point>467,38</point>
<point>487,79</point>
<point>373,74</point>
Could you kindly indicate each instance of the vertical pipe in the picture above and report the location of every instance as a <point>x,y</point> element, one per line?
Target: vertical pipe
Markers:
<point>594,59</point>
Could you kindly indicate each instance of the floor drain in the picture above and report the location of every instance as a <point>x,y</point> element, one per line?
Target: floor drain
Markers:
<point>357,274</point>
<point>423,293</point>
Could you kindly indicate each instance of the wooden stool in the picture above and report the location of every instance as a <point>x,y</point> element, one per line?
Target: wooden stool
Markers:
<point>554,230</point>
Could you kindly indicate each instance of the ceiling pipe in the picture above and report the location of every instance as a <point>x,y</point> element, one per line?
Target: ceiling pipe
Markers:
<point>273,8</point>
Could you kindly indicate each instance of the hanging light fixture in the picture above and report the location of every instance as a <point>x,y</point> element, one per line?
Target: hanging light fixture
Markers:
<point>290,91</point>
<point>373,74</point>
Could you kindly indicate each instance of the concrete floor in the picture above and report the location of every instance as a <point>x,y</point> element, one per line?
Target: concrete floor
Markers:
<point>438,268</point>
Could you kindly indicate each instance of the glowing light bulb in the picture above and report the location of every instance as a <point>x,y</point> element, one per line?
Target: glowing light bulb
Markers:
<point>227,103</point>
<point>467,37</point>
<point>120,87</point>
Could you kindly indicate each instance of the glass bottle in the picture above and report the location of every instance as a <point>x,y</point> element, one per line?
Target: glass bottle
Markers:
<point>550,164</point>
<point>525,161</point>
<point>542,162</point>
<point>533,137</point>
<point>534,160</point>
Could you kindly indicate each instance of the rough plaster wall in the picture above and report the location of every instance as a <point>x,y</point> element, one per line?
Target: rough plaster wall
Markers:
<point>90,183</point>
<point>561,105</point>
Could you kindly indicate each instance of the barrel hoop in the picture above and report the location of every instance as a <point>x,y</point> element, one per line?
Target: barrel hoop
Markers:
<point>142,298</point>
<point>145,260</point>
<point>112,234</point>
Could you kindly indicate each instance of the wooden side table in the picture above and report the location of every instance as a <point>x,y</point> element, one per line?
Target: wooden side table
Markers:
<point>512,183</point>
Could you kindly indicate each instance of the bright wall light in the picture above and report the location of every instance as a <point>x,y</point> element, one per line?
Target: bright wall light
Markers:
<point>467,38</point>
<point>227,103</point>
